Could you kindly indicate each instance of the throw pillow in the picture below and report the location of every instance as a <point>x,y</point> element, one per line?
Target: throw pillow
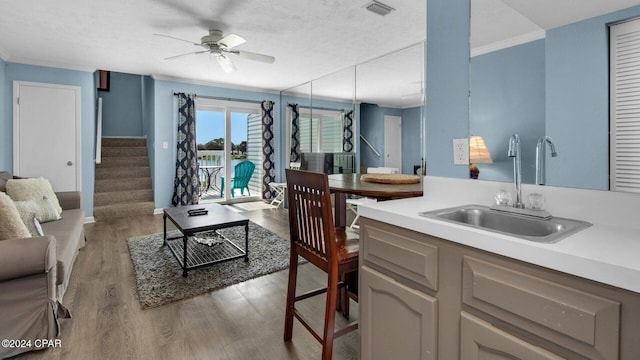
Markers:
<point>31,222</point>
<point>11,225</point>
<point>44,209</point>
<point>4,176</point>
<point>32,189</point>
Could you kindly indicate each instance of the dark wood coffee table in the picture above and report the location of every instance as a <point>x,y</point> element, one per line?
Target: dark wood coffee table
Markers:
<point>191,254</point>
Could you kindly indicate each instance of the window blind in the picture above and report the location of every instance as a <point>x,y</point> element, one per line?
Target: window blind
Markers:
<point>254,151</point>
<point>625,106</point>
<point>320,131</point>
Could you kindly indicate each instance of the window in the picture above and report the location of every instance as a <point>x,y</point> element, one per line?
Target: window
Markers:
<point>624,115</point>
<point>320,130</point>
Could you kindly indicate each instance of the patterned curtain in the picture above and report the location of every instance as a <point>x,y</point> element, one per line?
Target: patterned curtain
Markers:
<point>347,132</point>
<point>295,133</point>
<point>186,185</point>
<point>268,163</point>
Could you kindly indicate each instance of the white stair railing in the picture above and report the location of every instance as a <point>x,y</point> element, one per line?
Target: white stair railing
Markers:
<point>99,133</point>
<point>369,144</point>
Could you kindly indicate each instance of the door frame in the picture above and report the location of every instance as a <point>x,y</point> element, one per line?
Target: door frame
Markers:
<point>16,125</point>
<point>227,107</point>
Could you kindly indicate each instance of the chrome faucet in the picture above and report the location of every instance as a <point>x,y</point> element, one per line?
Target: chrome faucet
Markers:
<point>541,162</point>
<point>514,152</point>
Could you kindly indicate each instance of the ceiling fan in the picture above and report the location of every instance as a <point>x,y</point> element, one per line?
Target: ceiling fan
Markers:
<point>218,45</point>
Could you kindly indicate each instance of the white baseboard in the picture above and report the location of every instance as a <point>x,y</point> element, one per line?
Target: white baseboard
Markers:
<point>89,220</point>
<point>157,211</point>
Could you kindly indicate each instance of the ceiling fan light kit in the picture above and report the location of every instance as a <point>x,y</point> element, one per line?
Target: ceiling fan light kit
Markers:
<point>215,43</point>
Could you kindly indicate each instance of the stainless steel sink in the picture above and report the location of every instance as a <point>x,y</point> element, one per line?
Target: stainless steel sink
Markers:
<point>522,226</point>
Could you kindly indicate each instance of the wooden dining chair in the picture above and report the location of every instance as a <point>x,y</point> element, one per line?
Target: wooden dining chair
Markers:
<point>314,237</point>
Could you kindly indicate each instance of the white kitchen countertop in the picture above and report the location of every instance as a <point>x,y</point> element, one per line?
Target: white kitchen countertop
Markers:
<point>607,252</point>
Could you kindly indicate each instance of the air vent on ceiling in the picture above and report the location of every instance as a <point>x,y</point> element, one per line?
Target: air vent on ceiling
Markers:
<point>379,8</point>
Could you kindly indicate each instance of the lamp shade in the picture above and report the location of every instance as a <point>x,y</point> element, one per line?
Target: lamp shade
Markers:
<point>478,152</point>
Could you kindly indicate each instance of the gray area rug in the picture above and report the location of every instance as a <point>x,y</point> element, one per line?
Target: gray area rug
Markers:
<point>159,276</point>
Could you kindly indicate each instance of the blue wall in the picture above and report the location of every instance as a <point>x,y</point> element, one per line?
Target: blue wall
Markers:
<point>6,135</point>
<point>122,106</point>
<point>412,153</point>
<point>372,129</point>
<point>85,80</point>
<point>507,97</point>
<point>447,84</point>
<point>148,116</point>
<point>578,101</point>
<point>166,123</point>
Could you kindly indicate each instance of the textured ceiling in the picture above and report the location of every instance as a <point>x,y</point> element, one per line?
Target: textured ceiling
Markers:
<point>309,39</point>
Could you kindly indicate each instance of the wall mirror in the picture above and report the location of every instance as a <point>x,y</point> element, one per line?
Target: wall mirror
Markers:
<point>390,89</point>
<point>542,70</point>
<point>290,100</point>
<point>364,94</point>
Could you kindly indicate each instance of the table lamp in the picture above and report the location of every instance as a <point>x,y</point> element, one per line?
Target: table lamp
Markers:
<point>478,154</point>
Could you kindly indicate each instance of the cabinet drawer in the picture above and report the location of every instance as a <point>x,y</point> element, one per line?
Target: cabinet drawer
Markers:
<point>480,340</point>
<point>406,256</point>
<point>583,322</point>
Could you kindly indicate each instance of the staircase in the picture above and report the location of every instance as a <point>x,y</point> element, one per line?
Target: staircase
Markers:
<point>123,180</point>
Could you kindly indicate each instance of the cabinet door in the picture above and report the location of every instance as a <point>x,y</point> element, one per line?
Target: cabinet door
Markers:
<point>480,340</point>
<point>396,322</point>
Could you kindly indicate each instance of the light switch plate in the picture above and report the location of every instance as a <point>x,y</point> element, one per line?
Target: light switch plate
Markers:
<point>165,144</point>
<point>461,151</point>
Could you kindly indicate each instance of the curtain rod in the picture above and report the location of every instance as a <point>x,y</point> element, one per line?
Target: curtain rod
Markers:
<point>223,98</point>
<point>318,108</point>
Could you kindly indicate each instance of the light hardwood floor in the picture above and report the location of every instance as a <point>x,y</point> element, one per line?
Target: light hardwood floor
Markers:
<point>243,321</point>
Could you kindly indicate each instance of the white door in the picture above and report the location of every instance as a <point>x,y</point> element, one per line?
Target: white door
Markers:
<point>46,124</point>
<point>393,142</point>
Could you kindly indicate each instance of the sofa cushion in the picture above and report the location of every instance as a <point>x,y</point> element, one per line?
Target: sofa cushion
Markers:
<point>4,176</point>
<point>32,189</point>
<point>67,232</point>
<point>11,225</point>
<point>44,209</point>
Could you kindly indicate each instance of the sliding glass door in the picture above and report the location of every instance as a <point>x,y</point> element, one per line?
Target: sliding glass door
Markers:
<point>229,138</point>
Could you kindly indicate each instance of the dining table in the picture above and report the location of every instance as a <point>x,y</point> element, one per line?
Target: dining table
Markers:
<point>342,185</point>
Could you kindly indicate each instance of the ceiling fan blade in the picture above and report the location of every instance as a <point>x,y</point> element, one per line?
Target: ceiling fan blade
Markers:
<point>225,63</point>
<point>231,40</point>
<point>254,56</point>
<point>175,38</point>
<point>181,55</point>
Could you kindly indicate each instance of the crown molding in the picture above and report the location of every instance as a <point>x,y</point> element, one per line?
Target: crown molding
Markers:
<point>517,40</point>
<point>214,84</point>
<point>52,64</point>
<point>4,54</point>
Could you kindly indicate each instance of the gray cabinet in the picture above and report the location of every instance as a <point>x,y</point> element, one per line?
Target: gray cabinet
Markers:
<point>483,306</point>
<point>392,310</point>
<point>479,340</point>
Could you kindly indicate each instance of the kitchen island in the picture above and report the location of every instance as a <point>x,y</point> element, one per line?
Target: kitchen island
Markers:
<point>442,290</point>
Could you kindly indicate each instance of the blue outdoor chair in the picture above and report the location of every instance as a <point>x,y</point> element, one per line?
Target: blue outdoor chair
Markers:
<point>242,174</point>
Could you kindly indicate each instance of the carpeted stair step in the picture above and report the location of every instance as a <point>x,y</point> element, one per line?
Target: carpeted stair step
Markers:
<point>123,161</point>
<point>123,185</point>
<point>122,151</point>
<point>108,185</point>
<point>122,172</point>
<point>117,197</point>
<point>122,210</point>
<point>113,142</point>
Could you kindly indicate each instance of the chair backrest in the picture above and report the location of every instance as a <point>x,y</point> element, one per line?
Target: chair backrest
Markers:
<point>311,225</point>
<point>242,173</point>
